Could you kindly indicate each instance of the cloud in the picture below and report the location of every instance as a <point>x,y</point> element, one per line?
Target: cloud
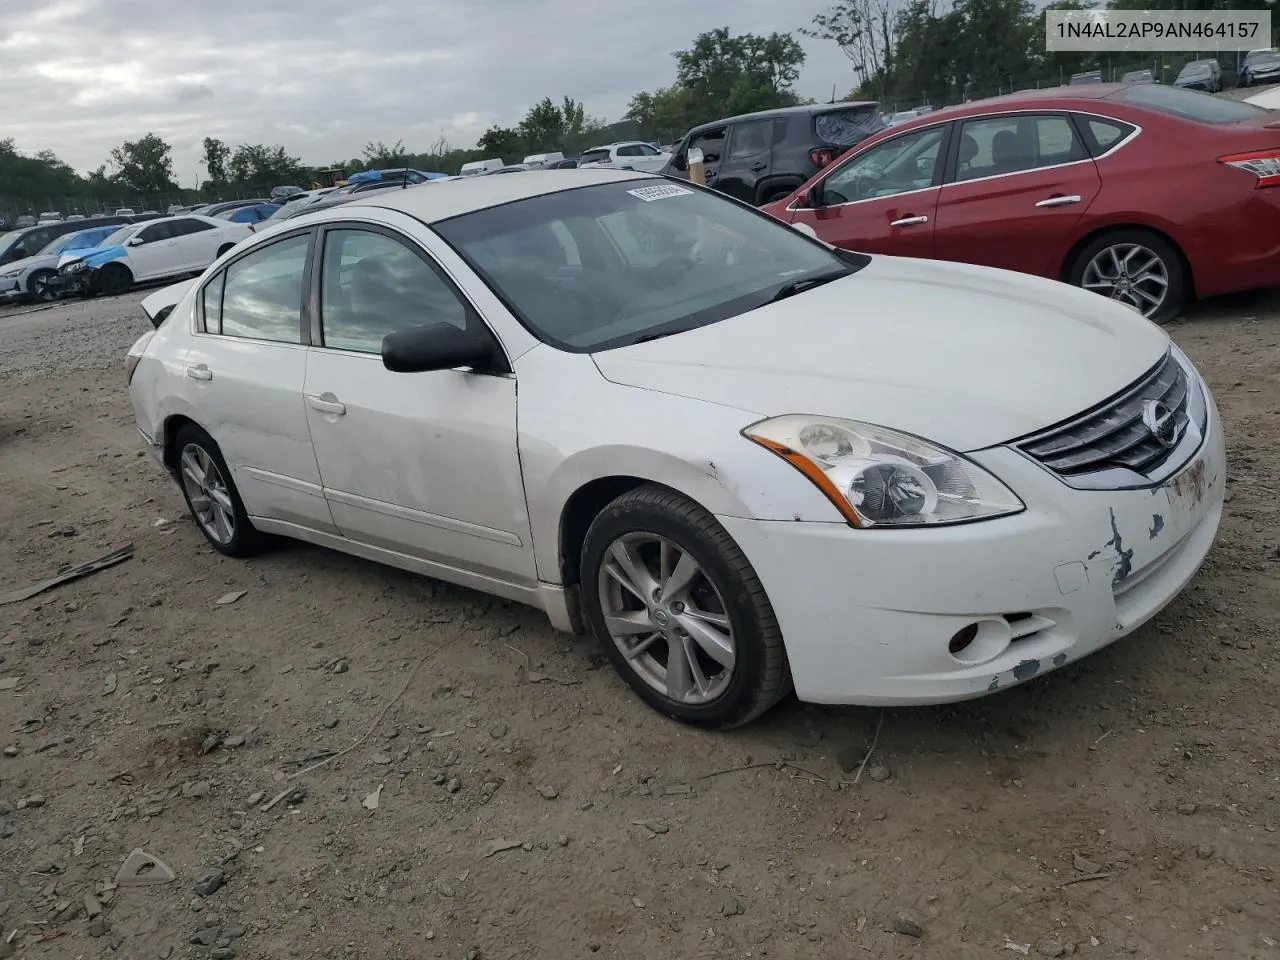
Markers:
<point>323,77</point>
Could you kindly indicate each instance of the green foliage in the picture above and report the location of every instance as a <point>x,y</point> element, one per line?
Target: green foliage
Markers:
<point>216,154</point>
<point>143,166</point>
<point>259,166</point>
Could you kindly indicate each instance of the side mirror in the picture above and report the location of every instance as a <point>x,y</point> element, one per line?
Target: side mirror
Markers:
<point>134,242</point>
<point>438,346</point>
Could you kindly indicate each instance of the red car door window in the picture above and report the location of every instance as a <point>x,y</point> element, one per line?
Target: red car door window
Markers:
<point>1020,186</point>
<point>882,200</point>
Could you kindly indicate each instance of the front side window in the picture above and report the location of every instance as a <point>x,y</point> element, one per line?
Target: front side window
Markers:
<point>182,228</point>
<point>654,258</point>
<point>896,166</point>
<point>373,285</point>
<point>711,143</point>
<point>261,294</point>
<point>157,231</point>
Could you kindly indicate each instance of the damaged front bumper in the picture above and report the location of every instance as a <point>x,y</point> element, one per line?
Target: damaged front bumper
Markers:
<point>875,616</point>
<point>75,279</point>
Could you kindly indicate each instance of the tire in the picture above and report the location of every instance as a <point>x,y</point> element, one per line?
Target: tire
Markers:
<point>772,196</point>
<point>37,286</point>
<point>1171,266</point>
<point>227,528</point>
<point>638,526</point>
<point>114,279</point>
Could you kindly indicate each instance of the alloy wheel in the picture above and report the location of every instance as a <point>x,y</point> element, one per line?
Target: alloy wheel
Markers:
<point>43,288</point>
<point>1131,273</point>
<point>207,490</point>
<point>667,618</point>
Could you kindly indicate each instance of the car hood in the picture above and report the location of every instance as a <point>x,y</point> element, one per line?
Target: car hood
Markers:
<point>965,356</point>
<point>93,256</point>
<point>30,263</point>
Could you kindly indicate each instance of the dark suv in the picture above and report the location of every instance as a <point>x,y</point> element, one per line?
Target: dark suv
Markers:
<point>19,244</point>
<point>761,157</point>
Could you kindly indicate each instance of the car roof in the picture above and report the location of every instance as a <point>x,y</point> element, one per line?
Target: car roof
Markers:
<point>1080,97</point>
<point>468,194</point>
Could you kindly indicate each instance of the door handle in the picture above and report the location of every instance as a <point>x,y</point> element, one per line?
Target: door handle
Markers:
<point>909,221</point>
<point>1059,201</point>
<point>327,404</point>
<point>200,371</point>
<point>757,167</point>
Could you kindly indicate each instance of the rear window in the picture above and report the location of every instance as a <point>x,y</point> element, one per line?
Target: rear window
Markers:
<point>1199,107</point>
<point>847,127</point>
<point>594,156</point>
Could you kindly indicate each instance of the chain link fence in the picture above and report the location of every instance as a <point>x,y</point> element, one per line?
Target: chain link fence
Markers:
<point>11,208</point>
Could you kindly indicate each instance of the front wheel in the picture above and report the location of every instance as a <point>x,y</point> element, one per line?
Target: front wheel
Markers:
<point>40,286</point>
<point>1137,268</point>
<point>114,279</point>
<point>211,495</point>
<point>679,611</point>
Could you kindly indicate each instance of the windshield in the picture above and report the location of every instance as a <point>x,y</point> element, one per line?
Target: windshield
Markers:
<point>613,264</point>
<point>120,236</point>
<point>7,240</point>
<point>73,241</point>
<point>1195,69</point>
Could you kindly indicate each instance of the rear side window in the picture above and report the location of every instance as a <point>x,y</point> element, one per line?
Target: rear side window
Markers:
<point>1190,105</point>
<point>1104,134</point>
<point>261,294</point>
<point>844,128</point>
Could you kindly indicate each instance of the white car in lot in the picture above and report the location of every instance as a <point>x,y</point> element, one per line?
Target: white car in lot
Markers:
<point>627,155</point>
<point>740,458</point>
<point>151,250</point>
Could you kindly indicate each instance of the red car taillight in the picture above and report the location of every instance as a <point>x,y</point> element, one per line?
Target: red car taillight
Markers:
<point>822,156</point>
<point>1263,164</point>
<point>250,226</point>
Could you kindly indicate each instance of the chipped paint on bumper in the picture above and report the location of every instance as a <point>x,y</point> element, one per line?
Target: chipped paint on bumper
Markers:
<point>867,615</point>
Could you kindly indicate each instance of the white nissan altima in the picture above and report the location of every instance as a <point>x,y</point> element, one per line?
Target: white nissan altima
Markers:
<point>743,460</point>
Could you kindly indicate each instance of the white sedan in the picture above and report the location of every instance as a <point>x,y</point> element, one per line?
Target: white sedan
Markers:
<point>151,250</point>
<point>743,460</point>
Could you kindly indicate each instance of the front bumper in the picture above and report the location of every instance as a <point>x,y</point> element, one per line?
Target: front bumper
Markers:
<point>11,291</point>
<point>867,615</point>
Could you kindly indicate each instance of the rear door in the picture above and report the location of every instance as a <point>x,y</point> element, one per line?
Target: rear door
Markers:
<point>746,158</point>
<point>883,199</point>
<point>1017,186</point>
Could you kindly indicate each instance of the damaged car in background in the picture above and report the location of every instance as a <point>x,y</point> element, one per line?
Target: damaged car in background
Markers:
<point>153,250</point>
<point>717,462</point>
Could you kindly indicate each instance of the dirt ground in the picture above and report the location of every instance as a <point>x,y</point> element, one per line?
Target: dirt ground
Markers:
<point>1124,806</point>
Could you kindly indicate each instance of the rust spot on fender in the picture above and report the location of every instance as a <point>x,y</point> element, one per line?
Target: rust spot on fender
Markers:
<point>1060,659</point>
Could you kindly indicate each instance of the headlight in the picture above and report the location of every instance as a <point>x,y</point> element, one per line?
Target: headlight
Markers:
<point>879,477</point>
<point>76,266</point>
<point>11,275</point>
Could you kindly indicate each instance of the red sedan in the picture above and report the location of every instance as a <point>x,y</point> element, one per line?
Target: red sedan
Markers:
<point>1144,193</point>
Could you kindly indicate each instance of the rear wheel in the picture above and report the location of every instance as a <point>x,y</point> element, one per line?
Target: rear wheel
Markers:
<point>114,278</point>
<point>679,611</point>
<point>39,286</point>
<point>1138,268</point>
<point>775,195</point>
<point>211,495</point>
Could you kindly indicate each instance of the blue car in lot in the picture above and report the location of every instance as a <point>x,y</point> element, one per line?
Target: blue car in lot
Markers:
<point>398,174</point>
<point>250,215</point>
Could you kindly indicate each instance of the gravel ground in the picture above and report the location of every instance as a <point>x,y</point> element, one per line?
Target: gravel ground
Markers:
<point>348,761</point>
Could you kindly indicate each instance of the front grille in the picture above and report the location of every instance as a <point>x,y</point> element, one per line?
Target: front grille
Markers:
<point>1114,435</point>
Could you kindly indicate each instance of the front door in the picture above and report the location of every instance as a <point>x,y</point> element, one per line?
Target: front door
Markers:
<point>246,368</point>
<point>1016,189</point>
<point>883,199</point>
<point>155,252</point>
<point>425,464</point>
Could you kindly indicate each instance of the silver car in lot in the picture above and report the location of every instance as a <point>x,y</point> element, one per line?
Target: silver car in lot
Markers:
<point>29,278</point>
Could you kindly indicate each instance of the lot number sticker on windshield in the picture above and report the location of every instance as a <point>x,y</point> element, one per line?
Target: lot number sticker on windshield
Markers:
<point>649,194</point>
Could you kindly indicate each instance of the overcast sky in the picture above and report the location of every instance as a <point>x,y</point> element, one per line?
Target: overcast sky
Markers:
<point>323,77</point>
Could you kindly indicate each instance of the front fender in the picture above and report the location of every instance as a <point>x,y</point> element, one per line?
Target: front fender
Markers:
<point>576,427</point>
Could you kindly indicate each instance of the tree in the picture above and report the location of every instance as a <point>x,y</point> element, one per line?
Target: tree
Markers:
<point>258,165</point>
<point>144,165</point>
<point>501,142</point>
<point>865,31</point>
<point>718,65</point>
<point>378,154</point>
<point>215,159</point>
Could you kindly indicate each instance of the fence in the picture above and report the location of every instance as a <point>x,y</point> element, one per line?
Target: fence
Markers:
<point>108,203</point>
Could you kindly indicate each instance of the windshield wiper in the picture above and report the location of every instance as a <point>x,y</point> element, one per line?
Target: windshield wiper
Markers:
<point>805,283</point>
